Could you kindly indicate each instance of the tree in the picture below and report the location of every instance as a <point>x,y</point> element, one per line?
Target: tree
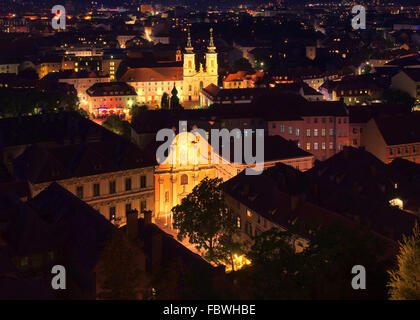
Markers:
<point>321,270</point>
<point>121,276</point>
<point>117,125</point>
<point>137,110</point>
<point>174,103</point>
<point>399,97</point>
<point>164,104</point>
<point>404,281</point>
<point>204,218</point>
<point>242,64</point>
<point>83,113</point>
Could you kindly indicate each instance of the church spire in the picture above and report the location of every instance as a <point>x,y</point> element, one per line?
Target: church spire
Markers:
<point>211,46</point>
<point>189,48</point>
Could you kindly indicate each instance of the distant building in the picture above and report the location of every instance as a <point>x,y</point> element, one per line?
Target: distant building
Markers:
<point>213,94</point>
<point>54,228</point>
<point>241,79</point>
<point>104,98</point>
<point>390,137</point>
<point>151,82</point>
<point>408,80</point>
<point>82,81</point>
<point>321,128</point>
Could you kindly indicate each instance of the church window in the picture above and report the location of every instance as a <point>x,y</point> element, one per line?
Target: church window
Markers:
<point>184,179</point>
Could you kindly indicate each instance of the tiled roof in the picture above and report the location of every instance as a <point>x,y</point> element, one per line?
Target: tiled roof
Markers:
<point>111,89</point>
<point>357,185</point>
<point>42,164</point>
<point>399,129</point>
<point>61,128</point>
<point>168,74</point>
<point>413,73</point>
<point>276,148</point>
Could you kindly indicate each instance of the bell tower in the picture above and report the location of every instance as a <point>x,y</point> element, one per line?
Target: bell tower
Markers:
<point>189,58</point>
<point>211,57</point>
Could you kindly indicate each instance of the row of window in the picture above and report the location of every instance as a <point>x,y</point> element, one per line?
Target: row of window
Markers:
<point>116,99</point>
<point>324,120</point>
<point>112,187</point>
<point>316,146</point>
<point>309,131</point>
<point>398,151</point>
<point>128,208</point>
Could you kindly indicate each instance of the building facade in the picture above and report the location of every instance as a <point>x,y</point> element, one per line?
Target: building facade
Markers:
<point>152,83</point>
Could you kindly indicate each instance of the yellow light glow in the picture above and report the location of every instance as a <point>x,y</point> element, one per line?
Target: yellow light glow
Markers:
<point>239,261</point>
<point>397,203</point>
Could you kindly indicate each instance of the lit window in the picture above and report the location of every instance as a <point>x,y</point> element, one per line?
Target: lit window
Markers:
<point>308,146</point>
<point>238,222</point>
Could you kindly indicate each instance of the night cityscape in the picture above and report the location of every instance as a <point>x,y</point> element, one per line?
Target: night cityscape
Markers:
<point>215,150</point>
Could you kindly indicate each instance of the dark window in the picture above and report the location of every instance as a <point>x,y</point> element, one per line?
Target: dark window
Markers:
<point>127,207</point>
<point>112,213</point>
<point>79,192</point>
<point>248,228</point>
<point>96,190</point>
<point>142,181</point>
<point>127,184</point>
<point>142,205</point>
<point>184,179</point>
<point>112,187</point>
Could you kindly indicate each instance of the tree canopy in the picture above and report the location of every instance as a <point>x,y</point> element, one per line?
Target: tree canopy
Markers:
<point>117,125</point>
<point>404,281</point>
<point>121,274</point>
<point>204,218</point>
<point>399,97</point>
<point>322,270</point>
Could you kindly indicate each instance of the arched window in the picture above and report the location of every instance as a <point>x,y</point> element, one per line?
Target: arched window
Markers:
<point>184,179</point>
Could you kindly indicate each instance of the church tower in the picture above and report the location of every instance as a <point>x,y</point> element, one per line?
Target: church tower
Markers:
<point>211,57</point>
<point>189,58</point>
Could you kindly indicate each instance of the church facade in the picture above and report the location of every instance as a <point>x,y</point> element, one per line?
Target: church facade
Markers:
<point>151,83</point>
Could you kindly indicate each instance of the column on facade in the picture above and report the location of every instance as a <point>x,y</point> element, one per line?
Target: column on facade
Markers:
<point>174,196</point>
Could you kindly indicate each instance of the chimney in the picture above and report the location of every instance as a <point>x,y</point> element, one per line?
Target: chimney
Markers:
<point>147,217</point>
<point>157,249</point>
<point>132,224</point>
<point>294,201</point>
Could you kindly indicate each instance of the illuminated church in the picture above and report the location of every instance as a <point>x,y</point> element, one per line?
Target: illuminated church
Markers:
<point>154,79</point>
